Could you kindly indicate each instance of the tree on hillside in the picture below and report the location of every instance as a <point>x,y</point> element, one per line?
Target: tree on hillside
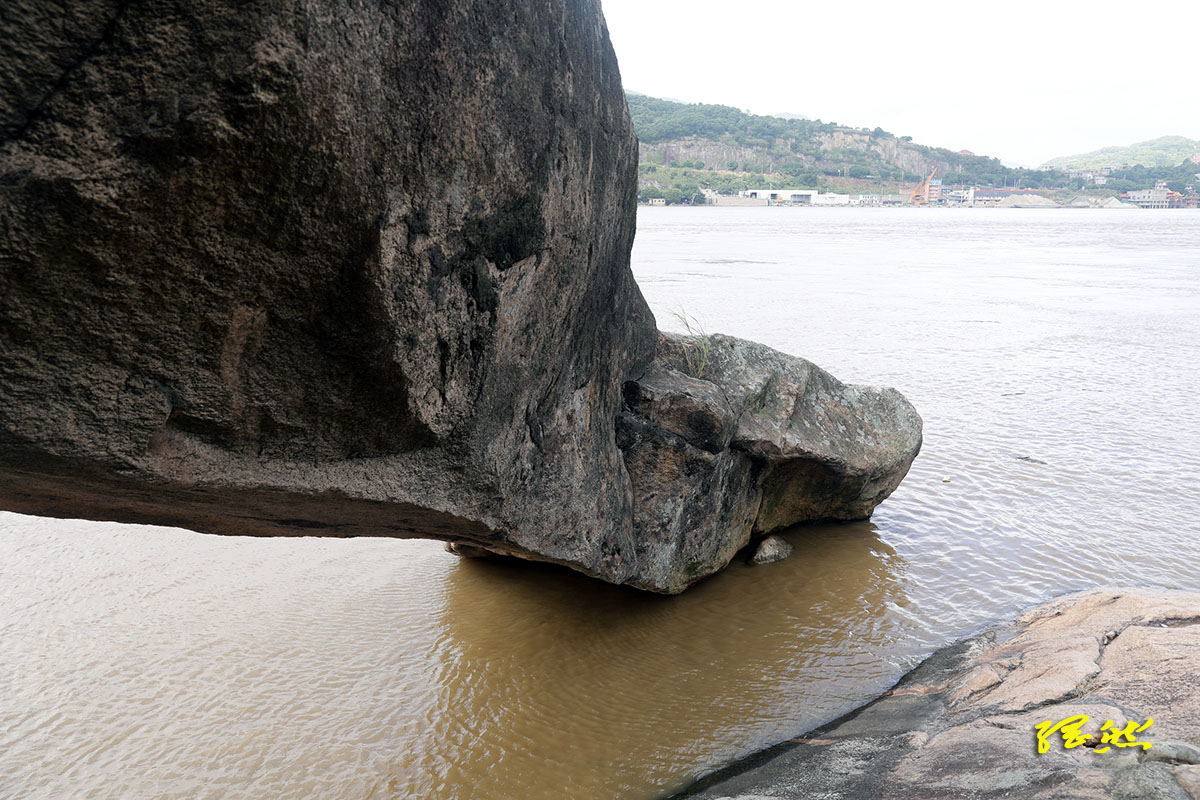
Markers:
<point>801,148</point>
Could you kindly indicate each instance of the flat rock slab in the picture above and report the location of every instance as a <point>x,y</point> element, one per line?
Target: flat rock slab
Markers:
<point>962,724</point>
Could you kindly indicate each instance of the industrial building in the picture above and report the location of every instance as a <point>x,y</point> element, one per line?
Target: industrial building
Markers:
<point>1149,198</point>
<point>796,197</point>
<point>990,195</point>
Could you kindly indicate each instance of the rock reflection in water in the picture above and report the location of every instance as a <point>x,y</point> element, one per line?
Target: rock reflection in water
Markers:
<point>549,685</point>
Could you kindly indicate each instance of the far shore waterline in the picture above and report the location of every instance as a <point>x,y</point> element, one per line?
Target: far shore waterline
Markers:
<point>1055,207</point>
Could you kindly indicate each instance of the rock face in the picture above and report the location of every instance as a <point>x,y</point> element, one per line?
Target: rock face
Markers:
<point>963,723</point>
<point>327,268</point>
<point>726,439</point>
<point>295,259</point>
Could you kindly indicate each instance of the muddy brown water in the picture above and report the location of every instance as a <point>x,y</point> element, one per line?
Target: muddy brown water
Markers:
<point>1053,354</point>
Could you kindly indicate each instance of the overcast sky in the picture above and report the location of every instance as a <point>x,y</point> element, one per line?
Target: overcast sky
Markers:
<point>1022,81</point>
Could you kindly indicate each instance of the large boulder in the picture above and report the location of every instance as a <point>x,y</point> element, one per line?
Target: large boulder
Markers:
<point>343,269</point>
<point>726,440</point>
<point>269,265</point>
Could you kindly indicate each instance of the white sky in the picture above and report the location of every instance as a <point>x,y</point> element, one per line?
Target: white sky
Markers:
<point>1023,81</point>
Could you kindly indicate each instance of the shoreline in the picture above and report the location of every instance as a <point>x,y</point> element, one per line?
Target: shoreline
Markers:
<point>1054,207</point>
<point>962,722</point>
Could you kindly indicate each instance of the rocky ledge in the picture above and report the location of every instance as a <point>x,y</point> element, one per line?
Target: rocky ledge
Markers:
<point>326,268</point>
<point>962,724</point>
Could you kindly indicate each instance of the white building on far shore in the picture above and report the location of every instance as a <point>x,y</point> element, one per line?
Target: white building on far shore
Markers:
<point>1150,198</point>
<point>796,197</point>
<point>831,200</point>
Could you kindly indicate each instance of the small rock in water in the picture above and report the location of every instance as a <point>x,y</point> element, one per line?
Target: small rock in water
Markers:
<point>771,549</point>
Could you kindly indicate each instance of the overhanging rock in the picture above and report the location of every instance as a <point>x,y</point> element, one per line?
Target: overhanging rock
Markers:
<point>324,268</point>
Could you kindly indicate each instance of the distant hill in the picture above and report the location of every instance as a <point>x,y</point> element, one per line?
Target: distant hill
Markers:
<point>721,148</point>
<point>1165,151</point>
<point>687,149</point>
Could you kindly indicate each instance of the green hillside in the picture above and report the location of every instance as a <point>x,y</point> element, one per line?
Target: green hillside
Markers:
<point>1165,151</point>
<point>728,149</point>
<point>686,147</point>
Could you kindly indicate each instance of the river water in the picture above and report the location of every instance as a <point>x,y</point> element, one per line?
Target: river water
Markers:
<point>1052,354</point>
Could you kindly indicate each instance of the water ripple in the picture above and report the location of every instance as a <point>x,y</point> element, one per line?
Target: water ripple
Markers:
<point>1052,356</point>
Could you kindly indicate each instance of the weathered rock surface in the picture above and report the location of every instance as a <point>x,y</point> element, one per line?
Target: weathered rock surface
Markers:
<point>962,723</point>
<point>770,550</point>
<point>320,268</point>
<point>327,268</point>
<point>726,439</point>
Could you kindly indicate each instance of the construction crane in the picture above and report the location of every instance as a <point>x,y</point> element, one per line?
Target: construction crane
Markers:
<point>922,190</point>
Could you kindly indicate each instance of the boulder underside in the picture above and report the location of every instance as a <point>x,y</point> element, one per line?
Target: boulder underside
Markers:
<point>326,268</point>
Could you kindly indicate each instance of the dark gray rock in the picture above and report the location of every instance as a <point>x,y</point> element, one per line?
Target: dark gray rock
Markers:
<point>725,438</point>
<point>320,268</point>
<point>327,268</point>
